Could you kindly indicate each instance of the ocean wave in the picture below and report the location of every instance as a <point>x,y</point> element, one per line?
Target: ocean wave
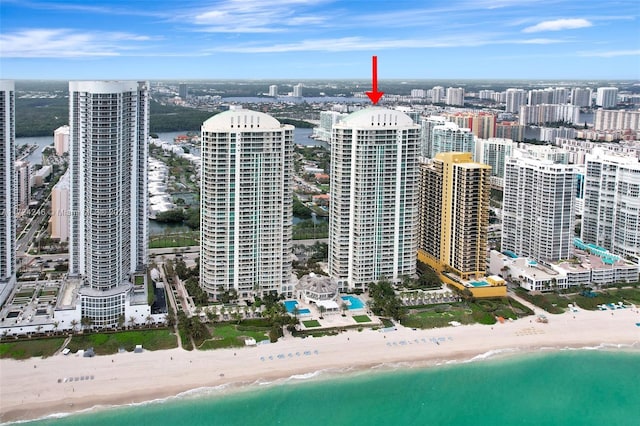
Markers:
<point>489,354</point>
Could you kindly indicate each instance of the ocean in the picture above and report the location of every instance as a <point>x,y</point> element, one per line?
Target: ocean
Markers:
<point>569,387</point>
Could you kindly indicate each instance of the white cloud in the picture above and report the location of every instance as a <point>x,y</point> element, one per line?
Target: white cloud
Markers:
<point>611,53</point>
<point>65,43</point>
<point>344,44</point>
<point>558,25</point>
<point>253,16</point>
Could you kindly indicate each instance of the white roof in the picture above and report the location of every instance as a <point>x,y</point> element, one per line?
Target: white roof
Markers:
<point>244,119</point>
<point>329,304</point>
<point>376,117</point>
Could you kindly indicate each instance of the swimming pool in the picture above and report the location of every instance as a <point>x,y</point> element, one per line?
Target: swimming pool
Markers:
<point>353,302</point>
<point>479,284</point>
<point>290,305</point>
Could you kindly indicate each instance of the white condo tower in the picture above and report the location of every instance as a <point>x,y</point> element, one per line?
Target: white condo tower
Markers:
<point>373,220</point>
<point>246,204</point>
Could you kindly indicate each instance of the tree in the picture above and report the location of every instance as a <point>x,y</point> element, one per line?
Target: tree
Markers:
<point>149,320</point>
<point>344,307</point>
<point>74,324</point>
<point>132,321</point>
<point>85,322</point>
<point>295,312</point>
<point>322,309</point>
<point>120,320</point>
<point>56,324</point>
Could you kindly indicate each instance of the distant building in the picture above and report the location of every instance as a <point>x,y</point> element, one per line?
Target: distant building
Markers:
<point>581,97</point>
<point>183,91</point>
<point>455,96</point>
<point>7,189</point>
<point>426,134</point>
<point>297,90</point>
<point>273,91</point>
<point>611,217</point>
<point>482,124</point>
<point>60,210</point>
<point>23,180</point>
<point>607,97</point>
<point>538,211</point>
<point>616,120</point>
<point>373,210</point>
<point>418,93</point>
<point>437,95</point>
<point>510,130</point>
<point>515,99</point>
<point>448,137</point>
<point>61,140</point>
<point>245,232</point>
<point>454,213</point>
<point>328,119</point>
<point>494,152</point>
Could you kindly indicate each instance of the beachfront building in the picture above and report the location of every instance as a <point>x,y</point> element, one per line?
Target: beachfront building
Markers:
<point>482,124</point>
<point>108,128</point>
<point>7,189</point>
<point>245,204</point>
<point>454,214</point>
<point>538,207</point>
<point>590,265</point>
<point>449,137</point>
<point>611,217</point>
<point>494,152</point>
<point>273,90</point>
<point>374,189</point>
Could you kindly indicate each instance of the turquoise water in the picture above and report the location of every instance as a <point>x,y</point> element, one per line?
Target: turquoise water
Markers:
<point>290,305</point>
<point>553,388</point>
<point>354,302</point>
<point>479,284</point>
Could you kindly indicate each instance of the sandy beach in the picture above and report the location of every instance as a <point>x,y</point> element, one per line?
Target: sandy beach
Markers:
<point>38,387</point>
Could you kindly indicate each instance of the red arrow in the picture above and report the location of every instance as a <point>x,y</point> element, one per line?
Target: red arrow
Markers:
<point>374,95</point>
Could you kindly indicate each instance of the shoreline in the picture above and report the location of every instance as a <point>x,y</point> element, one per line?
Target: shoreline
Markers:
<point>36,388</point>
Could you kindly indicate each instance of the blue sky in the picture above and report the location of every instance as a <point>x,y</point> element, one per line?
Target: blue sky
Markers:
<point>263,39</point>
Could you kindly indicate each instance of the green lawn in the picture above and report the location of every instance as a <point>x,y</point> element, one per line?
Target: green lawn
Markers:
<point>24,349</point>
<point>109,343</point>
<point>550,302</point>
<point>361,318</point>
<point>231,335</point>
<point>625,295</point>
<point>311,323</point>
<point>482,311</point>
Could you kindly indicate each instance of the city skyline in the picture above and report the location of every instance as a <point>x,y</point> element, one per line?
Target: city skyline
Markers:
<point>319,39</point>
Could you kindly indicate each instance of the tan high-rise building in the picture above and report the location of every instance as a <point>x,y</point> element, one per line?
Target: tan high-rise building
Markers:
<point>61,140</point>
<point>60,212</point>
<point>454,213</point>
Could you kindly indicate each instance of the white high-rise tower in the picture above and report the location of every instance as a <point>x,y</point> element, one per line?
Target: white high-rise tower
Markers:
<point>108,128</point>
<point>7,189</point>
<point>611,217</point>
<point>374,198</point>
<point>245,204</point>
<point>538,207</point>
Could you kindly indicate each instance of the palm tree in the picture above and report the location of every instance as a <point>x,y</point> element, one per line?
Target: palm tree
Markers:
<point>120,320</point>
<point>56,324</point>
<point>344,307</point>
<point>85,322</point>
<point>148,320</point>
<point>322,311</point>
<point>132,321</point>
<point>295,311</point>
<point>74,324</point>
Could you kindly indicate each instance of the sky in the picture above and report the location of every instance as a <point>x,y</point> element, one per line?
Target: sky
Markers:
<point>319,39</point>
